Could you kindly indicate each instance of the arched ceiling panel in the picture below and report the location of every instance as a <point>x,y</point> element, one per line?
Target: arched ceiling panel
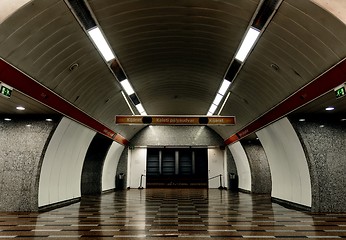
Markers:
<point>175,54</point>
<point>174,51</point>
<point>299,53</point>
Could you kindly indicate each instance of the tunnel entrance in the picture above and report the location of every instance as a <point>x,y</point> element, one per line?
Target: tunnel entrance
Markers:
<point>177,168</point>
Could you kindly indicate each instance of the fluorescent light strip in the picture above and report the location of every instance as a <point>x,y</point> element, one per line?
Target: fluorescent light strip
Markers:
<point>127,87</point>
<point>141,109</point>
<point>247,44</point>
<point>224,86</point>
<point>218,99</point>
<point>223,89</point>
<point>101,43</point>
<point>212,108</point>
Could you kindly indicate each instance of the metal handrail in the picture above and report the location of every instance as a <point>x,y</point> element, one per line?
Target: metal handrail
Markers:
<point>220,176</point>
<point>215,176</point>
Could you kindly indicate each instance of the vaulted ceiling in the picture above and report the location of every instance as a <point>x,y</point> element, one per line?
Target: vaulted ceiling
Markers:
<point>175,53</point>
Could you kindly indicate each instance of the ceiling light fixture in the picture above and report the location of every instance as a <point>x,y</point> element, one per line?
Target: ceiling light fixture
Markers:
<point>218,99</point>
<point>20,108</point>
<point>212,109</point>
<point>220,94</point>
<point>101,43</point>
<point>127,87</point>
<point>141,109</point>
<point>7,119</point>
<point>265,11</point>
<point>343,120</point>
<point>49,120</point>
<point>302,120</point>
<point>247,44</point>
<point>224,86</point>
<point>330,108</point>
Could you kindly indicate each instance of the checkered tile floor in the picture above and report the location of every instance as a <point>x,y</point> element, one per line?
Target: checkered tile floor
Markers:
<point>176,213</point>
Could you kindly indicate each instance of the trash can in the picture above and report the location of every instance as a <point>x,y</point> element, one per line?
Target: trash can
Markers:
<point>120,181</point>
<point>233,182</point>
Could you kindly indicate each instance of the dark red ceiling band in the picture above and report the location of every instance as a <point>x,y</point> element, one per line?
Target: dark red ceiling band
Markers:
<point>28,86</point>
<point>322,84</point>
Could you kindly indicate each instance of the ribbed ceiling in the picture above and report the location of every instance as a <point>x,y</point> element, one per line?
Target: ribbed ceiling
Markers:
<point>175,54</point>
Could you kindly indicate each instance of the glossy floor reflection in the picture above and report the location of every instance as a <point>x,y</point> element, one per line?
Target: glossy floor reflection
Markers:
<point>168,214</point>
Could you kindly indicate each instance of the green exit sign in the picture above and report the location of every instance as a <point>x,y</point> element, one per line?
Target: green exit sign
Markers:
<point>340,91</point>
<point>5,91</point>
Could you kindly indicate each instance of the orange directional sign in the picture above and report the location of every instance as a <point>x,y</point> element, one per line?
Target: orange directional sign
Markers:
<point>175,120</point>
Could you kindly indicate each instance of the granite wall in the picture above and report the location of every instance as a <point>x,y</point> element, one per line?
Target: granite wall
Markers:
<point>177,136</point>
<point>260,171</point>
<point>91,181</point>
<point>324,142</point>
<point>122,168</point>
<point>22,146</point>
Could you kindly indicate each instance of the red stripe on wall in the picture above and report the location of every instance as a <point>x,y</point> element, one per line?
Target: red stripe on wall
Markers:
<point>321,85</point>
<point>28,86</point>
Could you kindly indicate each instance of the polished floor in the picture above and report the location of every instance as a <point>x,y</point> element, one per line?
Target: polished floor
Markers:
<point>169,214</point>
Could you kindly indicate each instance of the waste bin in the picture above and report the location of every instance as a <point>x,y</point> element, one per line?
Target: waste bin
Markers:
<point>233,182</point>
<point>120,181</point>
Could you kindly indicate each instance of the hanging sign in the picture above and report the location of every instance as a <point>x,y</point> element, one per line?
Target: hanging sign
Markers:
<point>176,120</point>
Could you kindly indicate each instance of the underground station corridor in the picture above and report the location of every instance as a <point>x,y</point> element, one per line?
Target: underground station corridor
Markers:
<point>172,119</point>
<point>173,214</point>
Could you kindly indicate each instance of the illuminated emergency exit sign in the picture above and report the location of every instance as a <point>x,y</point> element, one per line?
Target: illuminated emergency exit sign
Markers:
<point>5,90</point>
<point>340,91</point>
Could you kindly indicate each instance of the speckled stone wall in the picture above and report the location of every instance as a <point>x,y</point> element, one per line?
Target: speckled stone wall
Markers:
<point>324,142</point>
<point>260,171</point>
<point>122,168</point>
<point>22,148</point>
<point>177,136</point>
<point>231,167</point>
<point>91,180</point>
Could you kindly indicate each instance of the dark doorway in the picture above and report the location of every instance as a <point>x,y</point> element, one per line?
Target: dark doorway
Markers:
<point>177,167</point>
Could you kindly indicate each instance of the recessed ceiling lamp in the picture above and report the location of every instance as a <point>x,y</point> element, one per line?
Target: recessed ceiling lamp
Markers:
<point>101,43</point>
<point>247,44</point>
<point>7,119</point>
<point>302,120</point>
<point>330,108</point>
<point>20,108</point>
<point>49,120</point>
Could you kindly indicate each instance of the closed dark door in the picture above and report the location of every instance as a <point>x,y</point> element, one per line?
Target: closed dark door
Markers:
<point>177,167</point>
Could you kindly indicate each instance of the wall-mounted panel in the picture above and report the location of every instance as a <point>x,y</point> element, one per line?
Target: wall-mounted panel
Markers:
<point>61,170</point>
<point>243,167</point>
<point>287,161</point>
<point>216,167</point>
<point>110,166</point>
<point>137,167</point>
